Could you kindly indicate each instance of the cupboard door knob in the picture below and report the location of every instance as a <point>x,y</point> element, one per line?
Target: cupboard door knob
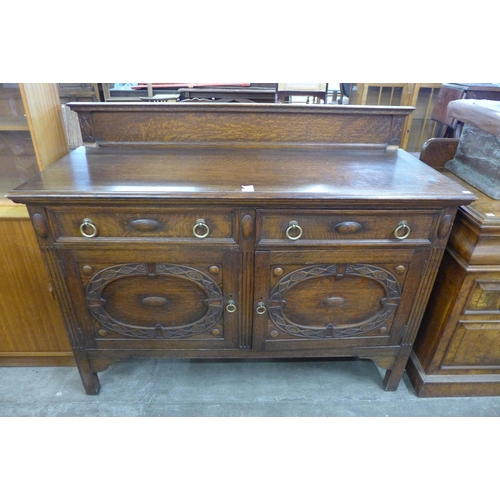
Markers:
<point>261,308</point>
<point>293,226</point>
<point>402,231</point>
<point>200,224</point>
<point>86,225</point>
<point>231,306</point>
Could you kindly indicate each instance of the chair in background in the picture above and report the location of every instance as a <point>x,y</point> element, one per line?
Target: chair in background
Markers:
<point>446,126</point>
<point>437,151</point>
<point>347,92</point>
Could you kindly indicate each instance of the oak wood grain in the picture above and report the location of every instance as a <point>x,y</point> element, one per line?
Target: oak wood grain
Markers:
<point>245,289</point>
<point>113,175</point>
<point>31,319</point>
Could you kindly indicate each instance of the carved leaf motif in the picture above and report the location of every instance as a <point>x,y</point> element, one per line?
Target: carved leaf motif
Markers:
<point>86,127</point>
<point>397,128</point>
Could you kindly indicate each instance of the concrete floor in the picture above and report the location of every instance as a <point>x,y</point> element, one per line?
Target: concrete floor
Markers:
<point>250,388</point>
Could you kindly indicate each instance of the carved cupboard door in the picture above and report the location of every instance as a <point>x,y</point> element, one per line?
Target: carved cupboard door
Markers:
<point>170,299</point>
<point>334,298</point>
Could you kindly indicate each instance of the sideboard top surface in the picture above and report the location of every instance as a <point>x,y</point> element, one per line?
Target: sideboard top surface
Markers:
<point>240,175</point>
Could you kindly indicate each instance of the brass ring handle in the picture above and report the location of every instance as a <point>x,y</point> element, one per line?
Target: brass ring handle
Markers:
<point>291,226</point>
<point>231,306</point>
<point>261,308</point>
<point>87,223</point>
<point>403,226</point>
<point>200,223</point>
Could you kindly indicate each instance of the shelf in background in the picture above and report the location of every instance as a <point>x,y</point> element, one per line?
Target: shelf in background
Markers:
<point>13,123</point>
<point>9,210</point>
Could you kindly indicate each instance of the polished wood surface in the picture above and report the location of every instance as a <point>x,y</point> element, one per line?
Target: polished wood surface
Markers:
<point>247,242</point>
<point>198,174</point>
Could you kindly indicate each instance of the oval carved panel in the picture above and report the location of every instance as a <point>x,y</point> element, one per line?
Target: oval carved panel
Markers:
<point>117,298</point>
<point>382,294</point>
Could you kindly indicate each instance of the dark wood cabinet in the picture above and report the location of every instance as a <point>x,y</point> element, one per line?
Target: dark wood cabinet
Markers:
<point>457,352</point>
<point>193,230</point>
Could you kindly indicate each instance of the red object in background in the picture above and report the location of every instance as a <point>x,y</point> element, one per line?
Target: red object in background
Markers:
<point>143,86</point>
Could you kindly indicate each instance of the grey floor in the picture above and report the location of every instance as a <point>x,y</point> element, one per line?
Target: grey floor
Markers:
<point>185,388</point>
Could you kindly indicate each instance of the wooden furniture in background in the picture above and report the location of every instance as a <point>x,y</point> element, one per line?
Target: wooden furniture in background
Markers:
<point>252,92</point>
<point>241,231</point>
<point>31,327</point>
<point>79,92</point>
<point>418,127</point>
<point>317,91</point>
<point>457,352</point>
<point>228,94</point>
<point>347,92</point>
<point>437,151</point>
<point>477,159</point>
<point>447,125</point>
<point>31,131</point>
<point>76,92</point>
<point>31,137</point>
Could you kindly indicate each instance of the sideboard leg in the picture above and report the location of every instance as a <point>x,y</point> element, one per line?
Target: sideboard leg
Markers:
<point>391,380</point>
<point>394,375</point>
<point>90,379</point>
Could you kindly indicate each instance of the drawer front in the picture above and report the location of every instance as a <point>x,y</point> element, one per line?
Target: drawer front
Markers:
<point>284,225</point>
<point>198,224</point>
<point>485,297</point>
<point>474,345</point>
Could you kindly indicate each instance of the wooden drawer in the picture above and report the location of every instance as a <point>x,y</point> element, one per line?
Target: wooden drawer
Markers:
<point>339,225</point>
<point>485,297</point>
<point>102,223</point>
<point>474,345</point>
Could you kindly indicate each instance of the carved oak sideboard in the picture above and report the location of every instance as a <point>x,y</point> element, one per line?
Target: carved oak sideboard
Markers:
<point>238,231</point>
